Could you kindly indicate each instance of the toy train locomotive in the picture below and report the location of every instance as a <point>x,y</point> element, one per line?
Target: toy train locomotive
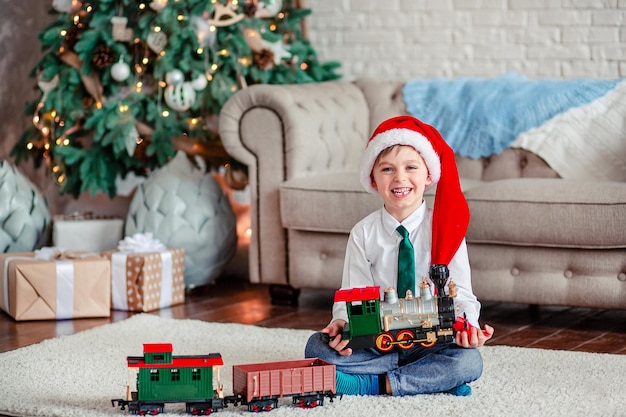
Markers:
<point>161,378</point>
<point>426,319</point>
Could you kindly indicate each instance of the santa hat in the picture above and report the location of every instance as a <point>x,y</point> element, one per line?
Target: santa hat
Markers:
<point>450,211</point>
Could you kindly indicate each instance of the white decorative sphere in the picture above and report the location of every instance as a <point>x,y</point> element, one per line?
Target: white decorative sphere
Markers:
<point>120,71</point>
<point>199,83</point>
<point>24,213</point>
<point>185,208</point>
<point>180,97</point>
<point>174,77</point>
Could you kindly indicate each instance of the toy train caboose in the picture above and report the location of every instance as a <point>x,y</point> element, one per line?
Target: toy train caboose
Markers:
<point>162,378</point>
<point>400,322</point>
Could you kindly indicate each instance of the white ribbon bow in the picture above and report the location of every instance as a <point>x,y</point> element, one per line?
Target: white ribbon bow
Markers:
<point>141,243</point>
<point>48,253</point>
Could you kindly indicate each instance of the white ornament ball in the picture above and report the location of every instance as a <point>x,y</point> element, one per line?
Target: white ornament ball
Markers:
<point>120,71</point>
<point>199,83</point>
<point>184,207</point>
<point>174,77</point>
<point>24,214</point>
<point>180,97</point>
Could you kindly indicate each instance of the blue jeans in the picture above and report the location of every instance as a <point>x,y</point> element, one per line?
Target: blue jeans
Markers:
<point>417,371</point>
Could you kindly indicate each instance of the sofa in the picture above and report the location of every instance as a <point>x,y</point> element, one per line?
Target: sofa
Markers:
<point>534,237</point>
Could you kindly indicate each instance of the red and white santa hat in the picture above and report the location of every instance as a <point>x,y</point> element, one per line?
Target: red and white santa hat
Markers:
<point>450,211</point>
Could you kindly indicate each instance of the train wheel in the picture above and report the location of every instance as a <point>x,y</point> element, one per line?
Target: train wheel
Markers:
<point>384,342</point>
<point>201,411</point>
<point>428,344</point>
<point>405,335</point>
<point>308,404</point>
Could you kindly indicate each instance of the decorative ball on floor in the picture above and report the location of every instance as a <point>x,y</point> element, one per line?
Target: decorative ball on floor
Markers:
<point>24,213</point>
<point>184,207</point>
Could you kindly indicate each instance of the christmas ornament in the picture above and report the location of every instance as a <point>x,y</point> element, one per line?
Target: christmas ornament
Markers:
<point>120,32</point>
<point>253,39</point>
<point>199,83</point>
<point>47,86</point>
<point>263,59</point>
<point>156,41</point>
<point>184,207</point>
<point>268,8</point>
<point>120,70</point>
<point>225,15</point>
<point>103,56</point>
<point>24,213</point>
<point>249,9</point>
<point>206,36</point>
<point>65,6</point>
<point>174,77</point>
<point>158,5</point>
<point>131,141</point>
<point>180,97</point>
<point>279,50</point>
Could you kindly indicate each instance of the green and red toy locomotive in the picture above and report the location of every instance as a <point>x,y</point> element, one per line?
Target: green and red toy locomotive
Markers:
<point>425,318</point>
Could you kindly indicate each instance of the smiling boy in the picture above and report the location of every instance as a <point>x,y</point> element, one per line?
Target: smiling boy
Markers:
<point>403,159</point>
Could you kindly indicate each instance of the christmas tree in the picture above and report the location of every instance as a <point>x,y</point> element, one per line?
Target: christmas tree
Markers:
<point>126,83</point>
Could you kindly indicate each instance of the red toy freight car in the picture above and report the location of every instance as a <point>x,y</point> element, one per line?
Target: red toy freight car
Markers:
<point>260,385</point>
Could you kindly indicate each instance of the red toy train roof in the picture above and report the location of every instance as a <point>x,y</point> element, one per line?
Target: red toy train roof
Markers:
<point>358,294</point>
<point>196,361</point>
<point>157,347</point>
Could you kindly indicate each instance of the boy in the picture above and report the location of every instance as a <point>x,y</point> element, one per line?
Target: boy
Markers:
<point>403,159</point>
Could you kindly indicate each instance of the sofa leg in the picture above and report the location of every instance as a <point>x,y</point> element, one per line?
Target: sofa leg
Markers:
<point>284,295</point>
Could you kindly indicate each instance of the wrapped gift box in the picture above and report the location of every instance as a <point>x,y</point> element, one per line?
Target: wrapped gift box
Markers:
<point>86,232</point>
<point>75,285</point>
<point>147,281</point>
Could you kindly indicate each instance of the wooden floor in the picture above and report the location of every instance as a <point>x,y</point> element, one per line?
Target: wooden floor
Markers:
<point>234,300</point>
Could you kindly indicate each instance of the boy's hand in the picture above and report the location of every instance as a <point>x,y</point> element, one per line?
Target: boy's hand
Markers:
<point>334,330</point>
<point>469,336</point>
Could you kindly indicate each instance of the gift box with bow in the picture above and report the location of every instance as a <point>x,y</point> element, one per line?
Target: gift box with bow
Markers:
<point>145,275</point>
<point>53,284</point>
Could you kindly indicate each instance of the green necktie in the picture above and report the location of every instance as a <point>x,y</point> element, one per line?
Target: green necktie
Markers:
<point>406,264</point>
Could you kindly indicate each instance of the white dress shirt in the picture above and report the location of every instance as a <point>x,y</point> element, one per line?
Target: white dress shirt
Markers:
<point>372,259</point>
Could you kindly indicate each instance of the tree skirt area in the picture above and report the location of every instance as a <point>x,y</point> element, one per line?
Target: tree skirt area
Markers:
<point>79,374</point>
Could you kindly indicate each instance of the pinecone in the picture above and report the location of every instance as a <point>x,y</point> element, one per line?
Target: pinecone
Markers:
<point>264,59</point>
<point>103,56</point>
<point>249,9</point>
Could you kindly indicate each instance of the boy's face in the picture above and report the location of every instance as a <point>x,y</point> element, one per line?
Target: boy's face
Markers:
<point>400,177</point>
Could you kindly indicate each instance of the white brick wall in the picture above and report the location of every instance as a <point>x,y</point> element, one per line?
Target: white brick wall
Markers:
<point>404,39</point>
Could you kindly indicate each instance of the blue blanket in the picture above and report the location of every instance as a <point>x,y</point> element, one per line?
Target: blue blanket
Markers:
<point>481,117</point>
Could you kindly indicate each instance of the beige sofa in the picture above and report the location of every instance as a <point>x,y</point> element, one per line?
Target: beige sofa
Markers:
<point>533,237</point>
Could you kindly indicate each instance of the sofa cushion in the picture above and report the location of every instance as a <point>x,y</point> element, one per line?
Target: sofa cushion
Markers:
<point>333,202</point>
<point>549,213</point>
<point>325,202</point>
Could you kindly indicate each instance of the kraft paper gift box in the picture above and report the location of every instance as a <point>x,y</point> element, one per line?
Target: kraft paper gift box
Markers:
<point>146,280</point>
<point>86,232</point>
<point>74,285</point>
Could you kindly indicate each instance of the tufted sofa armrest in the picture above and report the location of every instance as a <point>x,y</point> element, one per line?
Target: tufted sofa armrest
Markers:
<point>283,132</point>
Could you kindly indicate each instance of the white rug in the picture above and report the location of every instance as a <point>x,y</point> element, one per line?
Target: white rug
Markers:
<point>78,375</point>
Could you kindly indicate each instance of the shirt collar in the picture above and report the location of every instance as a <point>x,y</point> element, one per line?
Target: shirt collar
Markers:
<point>410,223</point>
